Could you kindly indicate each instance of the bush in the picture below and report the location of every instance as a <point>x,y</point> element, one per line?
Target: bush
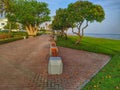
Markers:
<point>4,35</point>
<point>17,34</point>
<point>43,31</point>
<point>10,40</point>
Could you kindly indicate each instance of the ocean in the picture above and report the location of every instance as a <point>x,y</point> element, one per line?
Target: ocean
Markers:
<point>108,36</point>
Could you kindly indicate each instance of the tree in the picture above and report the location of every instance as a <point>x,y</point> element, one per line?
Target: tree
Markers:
<point>60,21</point>
<point>5,8</point>
<point>81,13</point>
<point>14,25</point>
<point>30,13</point>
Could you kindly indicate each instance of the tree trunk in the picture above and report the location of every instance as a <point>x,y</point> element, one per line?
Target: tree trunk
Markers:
<point>65,35</point>
<point>9,27</point>
<point>31,30</point>
<point>80,32</point>
<point>62,33</point>
<point>79,40</point>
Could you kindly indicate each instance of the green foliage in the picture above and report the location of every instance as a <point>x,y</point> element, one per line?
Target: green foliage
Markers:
<point>11,25</point>
<point>18,34</point>
<point>12,34</point>
<point>60,20</point>
<point>81,13</point>
<point>5,6</point>
<point>85,10</point>
<point>5,35</point>
<point>7,40</point>
<point>78,14</point>
<point>29,12</point>
<point>43,31</point>
<point>108,77</point>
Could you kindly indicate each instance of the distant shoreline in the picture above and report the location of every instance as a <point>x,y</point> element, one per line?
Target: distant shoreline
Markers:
<point>101,34</point>
<point>107,36</point>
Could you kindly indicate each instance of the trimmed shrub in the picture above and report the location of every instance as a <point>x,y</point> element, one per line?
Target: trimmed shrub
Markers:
<point>7,40</point>
<point>5,35</point>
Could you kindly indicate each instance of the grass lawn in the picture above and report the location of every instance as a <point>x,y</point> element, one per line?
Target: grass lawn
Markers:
<point>109,77</point>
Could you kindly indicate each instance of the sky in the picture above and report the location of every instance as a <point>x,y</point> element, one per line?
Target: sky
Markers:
<point>111,24</point>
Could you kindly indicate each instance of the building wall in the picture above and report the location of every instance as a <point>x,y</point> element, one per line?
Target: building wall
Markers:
<point>3,22</point>
<point>46,24</point>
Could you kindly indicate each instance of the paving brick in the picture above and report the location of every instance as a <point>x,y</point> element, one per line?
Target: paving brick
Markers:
<point>24,65</point>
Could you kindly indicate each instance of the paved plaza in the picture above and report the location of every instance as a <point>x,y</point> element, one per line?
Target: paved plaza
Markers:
<point>24,66</point>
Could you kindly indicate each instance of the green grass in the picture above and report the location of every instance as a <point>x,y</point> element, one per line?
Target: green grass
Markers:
<point>109,77</point>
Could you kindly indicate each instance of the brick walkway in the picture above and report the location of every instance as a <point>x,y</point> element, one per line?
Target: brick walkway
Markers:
<point>23,66</point>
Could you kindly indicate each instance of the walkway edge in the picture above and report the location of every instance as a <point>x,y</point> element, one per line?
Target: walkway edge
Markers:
<point>87,81</point>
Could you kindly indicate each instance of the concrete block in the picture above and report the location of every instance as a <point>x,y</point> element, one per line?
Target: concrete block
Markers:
<point>55,65</point>
<point>55,38</point>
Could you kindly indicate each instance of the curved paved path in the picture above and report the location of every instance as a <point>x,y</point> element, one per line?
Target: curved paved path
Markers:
<point>23,66</point>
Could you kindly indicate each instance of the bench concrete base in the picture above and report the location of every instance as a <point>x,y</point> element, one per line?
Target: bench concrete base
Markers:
<point>55,65</point>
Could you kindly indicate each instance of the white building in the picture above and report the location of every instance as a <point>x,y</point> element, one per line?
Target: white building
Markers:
<point>46,24</point>
<point>3,22</point>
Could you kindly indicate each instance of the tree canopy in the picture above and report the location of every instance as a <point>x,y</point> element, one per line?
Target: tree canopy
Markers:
<point>60,21</point>
<point>13,25</point>
<point>83,12</point>
<point>78,14</point>
<point>30,13</point>
<point>5,6</point>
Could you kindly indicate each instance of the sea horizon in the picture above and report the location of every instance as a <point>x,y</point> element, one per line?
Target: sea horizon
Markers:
<point>107,36</point>
<point>97,35</point>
